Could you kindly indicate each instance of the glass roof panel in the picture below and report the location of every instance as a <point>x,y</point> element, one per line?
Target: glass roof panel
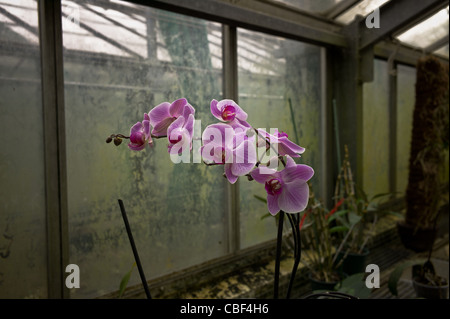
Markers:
<point>428,31</point>
<point>361,8</point>
<point>315,6</point>
<point>442,51</point>
<point>19,22</point>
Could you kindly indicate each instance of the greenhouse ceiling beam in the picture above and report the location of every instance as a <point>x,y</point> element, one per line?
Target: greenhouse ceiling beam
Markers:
<point>305,28</point>
<point>396,16</point>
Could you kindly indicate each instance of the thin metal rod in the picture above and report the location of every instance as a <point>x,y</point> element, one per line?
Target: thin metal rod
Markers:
<point>278,255</point>
<point>133,246</point>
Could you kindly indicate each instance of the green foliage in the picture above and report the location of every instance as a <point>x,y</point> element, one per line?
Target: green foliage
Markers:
<point>397,273</point>
<point>125,280</point>
<point>355,285</point>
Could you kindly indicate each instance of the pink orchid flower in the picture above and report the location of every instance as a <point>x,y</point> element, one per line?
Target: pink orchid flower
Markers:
<point>287,190</point>
<point>224,145</point>
<point>140,135</point>
<point>164,114</point>
<point>229,112</point>
<point>180,134</point>
<point>285,146</point>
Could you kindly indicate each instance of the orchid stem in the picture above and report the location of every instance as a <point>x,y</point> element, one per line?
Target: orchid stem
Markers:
<point>295,224</point>
<point>278,255</point>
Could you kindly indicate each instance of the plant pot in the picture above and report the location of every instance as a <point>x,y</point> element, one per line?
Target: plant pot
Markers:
<point>354,263</point>
<point>430,292</point>
<point>322,285</point>
<point>416,239</point>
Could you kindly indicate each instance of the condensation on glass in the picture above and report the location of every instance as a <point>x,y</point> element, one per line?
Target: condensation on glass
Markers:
<point>427,32</point>
<point>121,60</point>
<point>362,8</point>
<point>23,244</point>
<point>279,87</point>
<point>376,131</point>
<point>316,6</point>
<point>406,80</point>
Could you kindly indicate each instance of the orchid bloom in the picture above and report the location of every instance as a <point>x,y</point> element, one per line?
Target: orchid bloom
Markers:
<point>180,134</point>
<point>285,146</point>
<point>229,112</point>
<point>140,135</point>
<point>164,114</point>
<point>224,145</point>
<point>287,190</point>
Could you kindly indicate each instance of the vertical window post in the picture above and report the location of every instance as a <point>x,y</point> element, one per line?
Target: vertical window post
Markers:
<point>230,91</point>
<point>50,29</point>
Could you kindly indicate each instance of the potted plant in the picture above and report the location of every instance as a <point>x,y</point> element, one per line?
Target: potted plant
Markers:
<point>356,217</point>
<point>320,247</point>
<point>429,144</point>
<point>426,281</point>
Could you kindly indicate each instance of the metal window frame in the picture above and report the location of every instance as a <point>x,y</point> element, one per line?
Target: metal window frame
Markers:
<point>50,39</point>
<point>346,51</point>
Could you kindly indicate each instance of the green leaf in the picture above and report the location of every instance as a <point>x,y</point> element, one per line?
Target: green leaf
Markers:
<point>262,199</point>
<point>337,229</point>
<point>382,195</point>
<point>338,214</point>
<point>355,285</point>
<point>397,214</point>
<point>265,216</point>
<point>124,281</point>
<point>353,218</point>
<point>396,274</point>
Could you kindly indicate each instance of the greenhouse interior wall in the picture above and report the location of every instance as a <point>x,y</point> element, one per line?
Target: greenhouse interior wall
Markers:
<point>74,72</point>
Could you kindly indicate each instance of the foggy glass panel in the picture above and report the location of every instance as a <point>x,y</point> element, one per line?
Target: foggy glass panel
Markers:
<point>362,8</point>
<point>176,211</point>
<point>376,132</point>
<point>317,6</point>
<point>406,80</point>
<point>275,73</point>
<point>23,253</point>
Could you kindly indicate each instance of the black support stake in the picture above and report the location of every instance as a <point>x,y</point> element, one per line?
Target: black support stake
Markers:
<point>133,246</point>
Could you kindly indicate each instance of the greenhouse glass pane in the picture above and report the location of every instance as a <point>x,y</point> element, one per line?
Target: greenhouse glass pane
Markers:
<point>362,8</point>
<point>442,51</point>
<point>315,6</point>
<point>274,73</point>
<point>176,211</point>
<point>406,77</point>
<point>376,132</point>
<point>23,252</point>
<point>427,32</point>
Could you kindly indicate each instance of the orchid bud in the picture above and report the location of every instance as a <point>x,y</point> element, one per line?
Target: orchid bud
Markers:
<point>117,141</point>
<point>109,139</point>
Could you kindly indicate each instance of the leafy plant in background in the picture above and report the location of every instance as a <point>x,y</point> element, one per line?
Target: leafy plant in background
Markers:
<point>355,215</point>
<point>232,143</point>
<point>322,246</point>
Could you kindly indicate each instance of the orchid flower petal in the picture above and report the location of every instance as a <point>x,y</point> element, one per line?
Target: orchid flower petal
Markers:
<point>272,204</point>
<point>215,110</point>
<point>229,174</point>
<point>297,172</point>
<point>294,196</point>
<point>261,177</point>
<point>159,113</point>
<point>189,125</point>
<point>177,107</point>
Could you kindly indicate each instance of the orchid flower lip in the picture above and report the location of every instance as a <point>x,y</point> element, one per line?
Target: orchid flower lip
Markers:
<point>228,113</point>
<point>274,186</point>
